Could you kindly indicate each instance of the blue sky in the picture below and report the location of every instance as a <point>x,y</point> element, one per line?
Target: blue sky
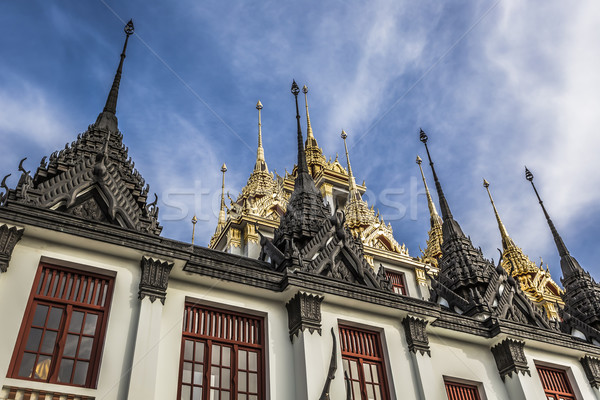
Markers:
<point>496,85</point>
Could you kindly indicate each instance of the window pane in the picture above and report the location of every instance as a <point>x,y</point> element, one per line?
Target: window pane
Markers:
<point>85,348</point>
<point>252,361</point>
<point>76,320</point>
<point>367,372</point>
<point>224,395</point>
<point>80,372</point>
<point>186,392</point>
<point>33,342</point>
<point>186,376</point>
<point>216,354</point>
<point>242,378</point>
<point>42,367</point>
<point>242,397</point>
<point>226,356</point>
<point>242,354</point>
<point>199,352</point>
<point>197,393</point>
<point>48,342</point>
<point>252,383</point>
<point>375,373</point>
<point>198,372</point>
<point>66,368</point>
<point>353,369</point>
<point>188,350</point>
<point>39,319</point>
<point>370,393</point>
<point>215,374</point>
<point>26,365</point>
<point>54,319</point>
<point>71,345</point>
<point>225,378</point>
<point>90,324</point>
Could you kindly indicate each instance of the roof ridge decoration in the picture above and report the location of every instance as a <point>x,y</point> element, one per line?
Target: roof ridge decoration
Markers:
<point>222,220</point>
<point>92,177</point>
<point>582,293</point>
<point>471,285</point>
<point>535,281</point>
<point>362,221</point>
<point>433,249</point>
<point>310,240</point>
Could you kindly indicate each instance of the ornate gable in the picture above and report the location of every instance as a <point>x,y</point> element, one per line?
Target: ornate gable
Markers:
<point>92,177</point>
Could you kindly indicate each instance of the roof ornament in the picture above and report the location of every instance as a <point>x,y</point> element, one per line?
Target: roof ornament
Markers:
<point>309,131</point>
<point>261,164</point>
<point>194,222</point>
<point>568,264</point>
<point>351,179</point>
<point>443,203</point>
<point>433,250</point>
<point>107,118</point>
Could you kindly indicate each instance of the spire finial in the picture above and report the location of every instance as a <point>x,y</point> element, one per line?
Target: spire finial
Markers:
<point>194,221</point>
<point>222,216</point>
<point>503,232</point>
<point>568,264</point>
<point>302,166</point>
<point>260,165</point>
<point>446,214</point>
<point>309,131</point>
<point>107,118</point>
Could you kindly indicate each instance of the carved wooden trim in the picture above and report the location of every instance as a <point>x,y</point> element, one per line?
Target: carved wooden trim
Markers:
<point>510,357</point>
<point>591,366</point>
<point>9,236</point>
<point>304,312</point>
<point>416,335</point>
<point>155,278</point>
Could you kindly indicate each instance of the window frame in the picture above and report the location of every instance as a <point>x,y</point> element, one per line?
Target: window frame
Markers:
<point>68,306</point>
<point>377,359</point>
<point>452,383</point>
<point>549,391</point>
<point>393,275</point>
<point>235,345</point>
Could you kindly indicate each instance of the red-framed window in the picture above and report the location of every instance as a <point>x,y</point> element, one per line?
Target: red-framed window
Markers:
<point>555,383</point>
<point>363,363</point>
<point>222,355</point>
<point>461,391</point>
<point>398,281</point>
<point>62,333</point>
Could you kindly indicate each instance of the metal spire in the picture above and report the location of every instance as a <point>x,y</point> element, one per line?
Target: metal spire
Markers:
<point>261,164</point>
<point>568,264</point>
<point>107,118</point>
<point>309,132</point>
<point>194,222</point>
<point>506,240</point>
<point>302,167</point>
<point>432,210</point>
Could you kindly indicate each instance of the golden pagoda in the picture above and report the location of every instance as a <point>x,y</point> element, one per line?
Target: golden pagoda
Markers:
<point>535,281</point>
<point>433,249</point>
<point>362,221</point>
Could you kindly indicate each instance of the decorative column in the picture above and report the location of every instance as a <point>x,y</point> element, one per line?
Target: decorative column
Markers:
<point>153,286</point>
<point>310,350</point>
<point>514,371</point>
<point>9,236</point>
<point>234,241</point>
<point>251,241</point>
<point>415,331</point>
<point>591,366</point>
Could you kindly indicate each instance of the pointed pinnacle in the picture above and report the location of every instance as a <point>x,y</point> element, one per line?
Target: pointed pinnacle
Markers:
<point>419,160</point>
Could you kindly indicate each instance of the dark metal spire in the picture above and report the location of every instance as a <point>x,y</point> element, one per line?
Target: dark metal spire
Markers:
<point>451,226</point>
<point>302,166</point>
<point>107,118</point>
<point>568,264</point>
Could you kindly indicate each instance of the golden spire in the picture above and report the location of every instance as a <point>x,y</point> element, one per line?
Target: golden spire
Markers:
<point>222,214</point>
<point>194,222</point>
<point>535,281</point>
<point>261,164</point>
<point>309,133</point>
<point>433,250</point>
<point>353,190</point>
<point>506,240</point>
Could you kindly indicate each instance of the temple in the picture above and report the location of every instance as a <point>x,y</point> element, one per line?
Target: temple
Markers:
<point>303,291</point>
